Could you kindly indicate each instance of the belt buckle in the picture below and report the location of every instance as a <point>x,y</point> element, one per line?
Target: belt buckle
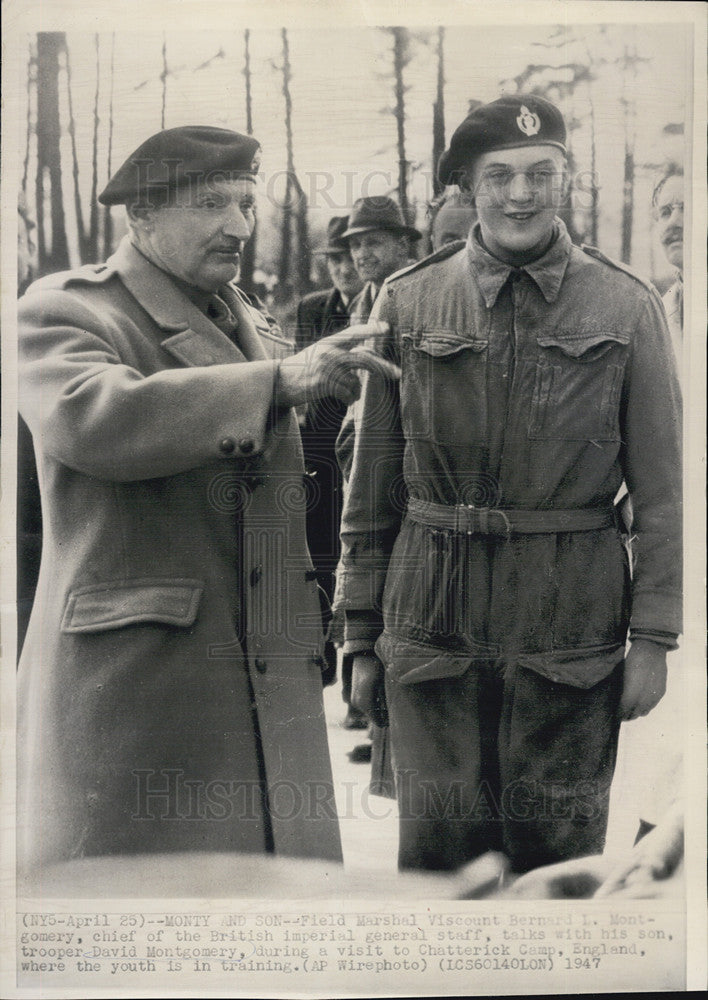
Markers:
<point>479,519</point>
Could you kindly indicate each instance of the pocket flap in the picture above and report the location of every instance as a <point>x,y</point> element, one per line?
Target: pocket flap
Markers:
<point>111,605</point>
<point>580,668</point>
<point>587,346</point>
<point>409,662</point>
<point>442,345</point>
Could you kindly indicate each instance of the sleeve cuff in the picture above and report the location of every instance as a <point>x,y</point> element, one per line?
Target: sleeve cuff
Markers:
<point>361,630</point>
<point>667,639</point>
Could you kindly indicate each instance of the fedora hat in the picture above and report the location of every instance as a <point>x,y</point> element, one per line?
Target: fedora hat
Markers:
<point>378,212</point>
<point>335,229</point>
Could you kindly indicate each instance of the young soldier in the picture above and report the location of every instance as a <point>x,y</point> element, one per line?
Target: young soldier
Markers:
<point>484,577</point>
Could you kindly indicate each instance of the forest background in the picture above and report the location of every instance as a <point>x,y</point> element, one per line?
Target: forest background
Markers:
<point>341,113</point>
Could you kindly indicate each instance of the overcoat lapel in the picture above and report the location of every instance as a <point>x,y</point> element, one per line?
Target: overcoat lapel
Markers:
<point>191,336</point>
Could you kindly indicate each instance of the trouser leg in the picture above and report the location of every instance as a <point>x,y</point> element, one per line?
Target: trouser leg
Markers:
<point>443,736</point>
<point>557,753</point>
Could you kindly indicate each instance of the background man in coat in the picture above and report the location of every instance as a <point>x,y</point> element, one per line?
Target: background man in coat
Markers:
<point>485,580</point>
<point>380,241</point>
<point>318,315</point>
<point>169,686</point>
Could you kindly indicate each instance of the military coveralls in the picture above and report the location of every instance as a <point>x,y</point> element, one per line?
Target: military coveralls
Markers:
<point>480,551</point>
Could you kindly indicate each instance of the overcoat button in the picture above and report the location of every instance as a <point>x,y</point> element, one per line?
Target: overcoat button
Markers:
<point>227,446</point>
<point>261,666</point>
<point>256,575</point>
<point>246,446</point>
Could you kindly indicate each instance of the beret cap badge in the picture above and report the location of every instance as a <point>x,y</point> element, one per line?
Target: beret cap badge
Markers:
<point>528,122</point>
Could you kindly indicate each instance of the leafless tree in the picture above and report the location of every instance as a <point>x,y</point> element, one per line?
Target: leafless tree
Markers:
<point>52,246</point>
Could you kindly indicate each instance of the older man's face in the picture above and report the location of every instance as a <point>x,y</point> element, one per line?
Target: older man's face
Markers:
<point>200,239</point>
<point>669,216</point>
<point>377,254</point>
<point>343,273</point>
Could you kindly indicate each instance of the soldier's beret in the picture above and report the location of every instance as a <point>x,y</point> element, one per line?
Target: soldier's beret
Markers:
<point>178,157</point>
<point>520,120</point>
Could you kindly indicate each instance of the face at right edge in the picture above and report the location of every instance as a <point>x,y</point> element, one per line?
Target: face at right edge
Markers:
<point>668,212</point>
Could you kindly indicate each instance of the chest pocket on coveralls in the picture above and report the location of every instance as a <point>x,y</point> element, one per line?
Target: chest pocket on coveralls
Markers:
<point>444,388</point>
<point>578,386</point>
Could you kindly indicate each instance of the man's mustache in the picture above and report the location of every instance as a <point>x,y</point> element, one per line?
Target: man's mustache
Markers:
<point>672,235</point>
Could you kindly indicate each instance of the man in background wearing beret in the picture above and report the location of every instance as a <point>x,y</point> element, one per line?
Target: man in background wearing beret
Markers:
<point>169,686</point>
<point>318,315</point>
<point>485,580</point>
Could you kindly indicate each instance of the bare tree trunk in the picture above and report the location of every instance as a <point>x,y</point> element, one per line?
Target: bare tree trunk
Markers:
<point>400,59</point>
<point>53,252</point>
<point>93,216</point>
<point>31,80</point>
<point>594,194</point>
<point>439,113</point>
<point>163,78</point>
<point>304,255</point>
<point>247,74</point>
<point>629,66</point>
<point>248,264</point>
<point>284,269</point>
<point>107,217</point>
<point>78,207</point>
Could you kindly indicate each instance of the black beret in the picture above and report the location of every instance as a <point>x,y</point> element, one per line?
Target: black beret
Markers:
<point>521,120</point>
<point>177,157</point>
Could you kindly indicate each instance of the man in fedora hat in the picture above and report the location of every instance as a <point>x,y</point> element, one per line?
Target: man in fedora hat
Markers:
<point>484,577</point>
<point>170,695</point>
<point>379,240</point>
<point>318,315</point>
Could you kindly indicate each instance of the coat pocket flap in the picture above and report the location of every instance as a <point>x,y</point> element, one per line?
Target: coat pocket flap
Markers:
<point>588,346</point>
<point>442,345</point>
<point>112,605</point>
<point>580,668</point>
<point>410,662</point>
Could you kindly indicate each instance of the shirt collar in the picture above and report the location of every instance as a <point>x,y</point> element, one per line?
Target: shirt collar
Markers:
<point>547,272</point>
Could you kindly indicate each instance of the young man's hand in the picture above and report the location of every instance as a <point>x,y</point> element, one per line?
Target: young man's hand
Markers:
<point>644,678</point>
<point>368,692</point>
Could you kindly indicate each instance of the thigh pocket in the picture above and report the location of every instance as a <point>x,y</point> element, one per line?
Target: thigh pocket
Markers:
<point>409,662</point>
<point>578,386</point>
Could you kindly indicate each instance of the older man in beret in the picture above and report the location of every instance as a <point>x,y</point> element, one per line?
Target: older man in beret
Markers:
<point>485,580</point>
<point>169,687</point>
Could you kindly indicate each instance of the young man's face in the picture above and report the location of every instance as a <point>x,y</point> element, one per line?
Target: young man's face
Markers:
<point>200,238</point>
<point>343,273</point>
<point>517,194</point>
<point>669,215</point>
<point>377,254</point>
